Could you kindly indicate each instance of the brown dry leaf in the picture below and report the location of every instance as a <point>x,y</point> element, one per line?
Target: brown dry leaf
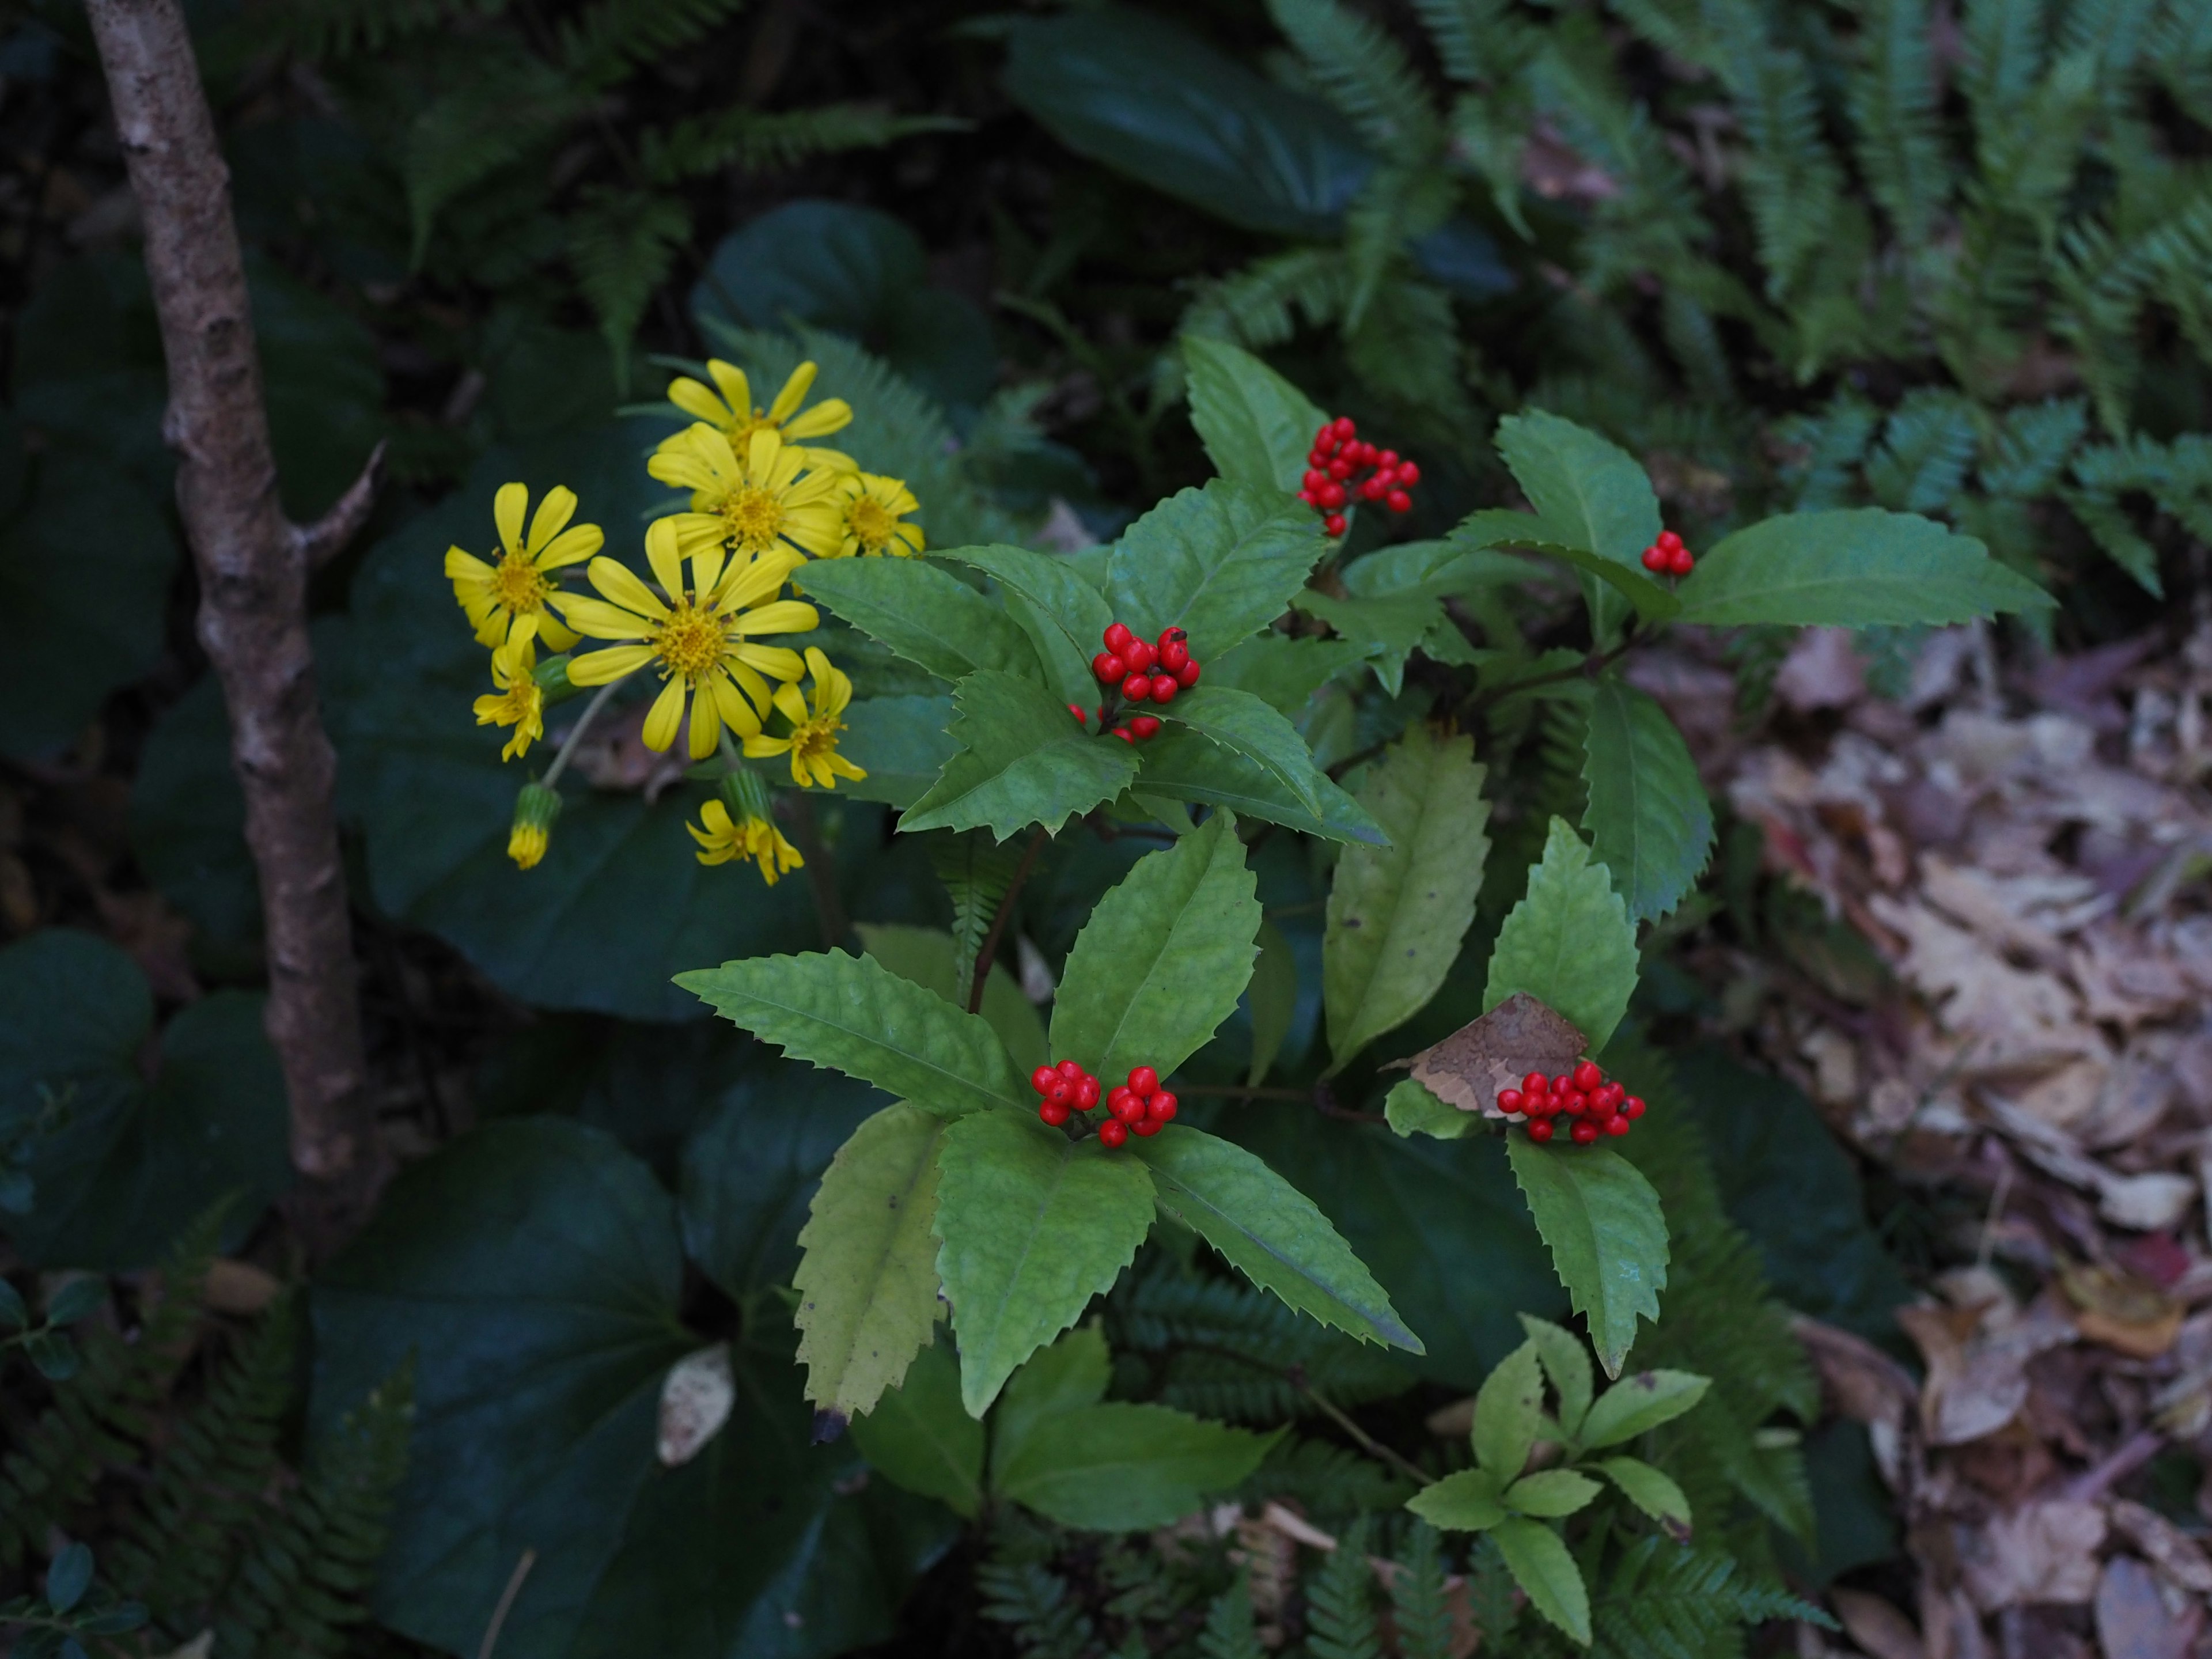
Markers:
<point>2133,1621</point>
<point>2169,1549</point>
<point>1823,669</point>
<point>613,755</point>
<point>2121,1312</point>
<point>2011,1017</point>
<point>695,1399</point>
<point>239,1287</point>
<point>1519,1036</point>
<point>2041,1551</point>
<point>1977,1378</point>
<point>1877,1625</point>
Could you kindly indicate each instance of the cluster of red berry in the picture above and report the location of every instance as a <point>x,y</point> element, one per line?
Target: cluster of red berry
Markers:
<point>1141,671</point>
<point>1138,1107</point>
<point>1668,557</point>
<point>1333,469</point>
<point>1598,1105</point>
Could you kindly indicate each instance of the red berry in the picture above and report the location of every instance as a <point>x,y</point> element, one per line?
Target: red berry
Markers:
<point>1139,656</point>
<point>1086,1094</point>
<point>1342,428</point>
<point>1584,1133</point>
<point>1145,727</point>
<point>1399,502</point>
<point>1108,667</point>
<point>1143,1080</point>
<point>1616,1126</point>
<point>1113,1133</point>
<point>1315,477</point>
<point>1339,470</point>
<point>1161,1107</point>
<point>1120,1092</point>
<point>1332,496</point>
<point>1632,1107</point>
<point>1680,562</point>
<point>1613,1093</point>
<point>1543,1105</point>
<point>1540,1131</point>
<point>1137,687</point>
<point>1173,636</point>
<point>1164,688</point>
<point>1668,540</point>
<point>1187,675</point>
<point>1362,454</point>
<point>1408,474</point>
<point>1130,1109</point>
<point>1572,1102</point>
<point>1116,636</point>
<point>1374,489</point>
<point>1054,1112</point>
<point>1042,1078</point>
<point>1062,1092</point>
<point>1122,732</point>
<point>1587,1076</point>
<point>1148,1127</point>
<point>1387,457</point>
<point>1511,1100</point>
<point>1173,655</point>
<point>1655,559</point>
<point>1334,524</point>
<point>1076,709</point>
<point>1534,1083</point>
<point>1562,1084</point>
<point>1070,1070</point>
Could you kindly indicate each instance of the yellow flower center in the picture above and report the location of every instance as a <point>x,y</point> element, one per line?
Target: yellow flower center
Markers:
<point>817,738</point>
<point>518,703</point>
<point>872,524</point>
<point>755,516</point>
<point>517,586</point>
<point>691,641</point>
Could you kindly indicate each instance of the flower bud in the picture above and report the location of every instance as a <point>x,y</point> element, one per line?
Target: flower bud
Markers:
<point>535,809</point>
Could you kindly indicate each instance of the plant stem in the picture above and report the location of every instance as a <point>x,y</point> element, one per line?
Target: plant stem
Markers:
<point>576,731</point>
<point>984,957</point>
<point>1296,1376</point>
<point>1588,668</point>
<point>821,868</point>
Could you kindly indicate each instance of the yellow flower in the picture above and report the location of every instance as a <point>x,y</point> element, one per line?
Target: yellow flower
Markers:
<point>519,702</point>
<point>763,500</point>
<point>535,809</point>
<point>702,638</point>
<point>812,745</point>
<point>495,596</point>
<point>870,508</point>
<point>729,407</point>
<point>725,838</point>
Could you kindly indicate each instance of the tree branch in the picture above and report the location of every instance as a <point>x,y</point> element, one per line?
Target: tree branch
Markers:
<point>252,617</point>
<point>319,542</point>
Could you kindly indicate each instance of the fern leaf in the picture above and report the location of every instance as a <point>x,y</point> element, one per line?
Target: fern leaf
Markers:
<point>976,873</point>
<point>1229,1633</point>
<point>508,104</point>
<point>1364,73</point>
<point>1478,41</point>
<point>2031,446</point>
<point>1327,1481</point>
<point>614,37</point>
<point>1792,181</point>
<point>340,28</point>
<point>1669,1602</point>
<point>762,141</point>
<point>1262,305</point>
<point>621,245</point>
<point>1418,1610</point>
<point>1492,1599</point>
<point>1340,1602</point>
<point>1893,98</point>
<point>2005,41</point>
<point>1033,1599</point>
<point>1927,446</point>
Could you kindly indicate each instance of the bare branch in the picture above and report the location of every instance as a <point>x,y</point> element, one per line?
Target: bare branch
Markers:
<point>319,542</point>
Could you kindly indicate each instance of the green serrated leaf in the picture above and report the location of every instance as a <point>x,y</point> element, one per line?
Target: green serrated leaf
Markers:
<point>1269,1231</point>
<point>1465,1501</point>
<point>1568,943</point>
<point>1272,995</point>
<point>1183,765</point>
<point>1023,760</point>
<point>933,619</point>
<point>1396,913</point>
<point>1411,1110</point>
<point>867,1272</point>
<point>928,956</point>
<point>1034,1225</point>
<point>857,1016</point>
<point>1243,724</point>
<point>76,1300</point>
<point>1386,631</point>
<point>1064,617</point>
<point>1639,1403</point>
<point>1462,562</point>
<point>1855,568</point>
<point>1164,958</point>
<point>1601,1222</point>
<point>1566,1363</point>
<point>1494,527</point>
<point>1653,1493</point>
<point>1547,1575</point>
<point>1507,1409</point>
<point>1068,1373</point>
<point>1549,1494</point>
<point>1588,490</point>
<point>1647,814</point>
<point>919,1437</point>
<point>1117,1467</point>
<point>1220,562</point>
<point>1281,669</point>
<point>900,742</point>
<point>1256,427</point>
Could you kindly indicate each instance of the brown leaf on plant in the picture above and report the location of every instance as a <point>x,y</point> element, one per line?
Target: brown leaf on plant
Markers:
<point>1518,1036</point>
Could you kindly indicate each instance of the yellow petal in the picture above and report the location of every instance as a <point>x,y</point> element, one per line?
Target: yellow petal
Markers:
<point>507,508</point>
<point>552,515</point>
<point>665,716</point>
<point>736,390</point>
<point>818,664</point>
<point>665,556</point>
<point>707,571</point>
<point>787,699</point>
<point>757,748</point>
<point>621,584</point>
<point>697,401</point>
<point>556,637</point>
<point>716,818</point>
<point>596,619</point>
<point>830,415</point>
<point>706,726</point>
<point>763,450</point>
<point>694,531</point>
<point>771,659</point>
<point>572,546</point>
<point>599,667</point>
<point>465,566</point>
<point>754,579</point>
<point>680,467</point>
<point>794,393</point>
<point>898,500</point>
<point>737,714</point>
<point>783,617</point>
<point>843,767</point>
<point>910,534</point>
<point>753,684</point>
<point>839,694</point>
<point>832,461</point>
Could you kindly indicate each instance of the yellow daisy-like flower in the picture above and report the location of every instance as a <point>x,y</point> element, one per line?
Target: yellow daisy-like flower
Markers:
<point>870,511</point>
<point>520,701</point>
<point>496,597</point>
<point>702,638</point>
<point>812,745</point>
<point>725,838</point>
<point>756,499</point>
<point>729,407</point>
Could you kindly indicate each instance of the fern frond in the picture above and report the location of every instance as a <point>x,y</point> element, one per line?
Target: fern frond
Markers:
<point>342,28</point>
<point>1418,1608</point>
<point>1478,41</point>
<point>1893,99</point>
<point>764,140</point>
<point>1396,205</point>
<point>1793,182</point>
<point>614,37</point>
<point>1328,1481</point>
<point>1229,1632</point>
<point>622,246</point>
<point>1665,1601</point>
<point>1927,445</point>
<point>1493,1600</point>
<point>1364,73</point>
<point>508,103</point>
<point>976,873</point>
<point>306,1581</point>
<point>2004,43</point>
<point>1341,1601</point>
<point>2180,55</point>
<point>1262,305</point>
<point>1406,351</point>
<point>2031,446</point>
<point>1033,1599</point>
